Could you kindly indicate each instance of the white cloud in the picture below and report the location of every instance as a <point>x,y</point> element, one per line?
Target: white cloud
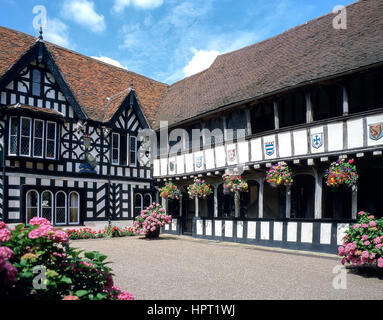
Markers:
<point>56,32</point>
<point>110,61</point>
<point>201,60</point>
<point>120,5</point>
<point>83,12</point>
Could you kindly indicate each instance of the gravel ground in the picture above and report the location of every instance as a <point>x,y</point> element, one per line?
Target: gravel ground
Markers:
<point>180,268</point>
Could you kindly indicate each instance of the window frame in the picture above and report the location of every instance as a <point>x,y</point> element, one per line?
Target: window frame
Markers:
<point>132,164</point>
<point>42,139</point>
<point>26,204</point>
<point>29,138</point>
<point>117,163</point>
<point>78,208</point>
<point>46,140</point>
<point>52,206</point>
<point>10,135</point>
<point>66,208</point>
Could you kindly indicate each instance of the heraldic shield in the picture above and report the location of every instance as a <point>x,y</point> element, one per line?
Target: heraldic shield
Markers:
<point>376,131</point>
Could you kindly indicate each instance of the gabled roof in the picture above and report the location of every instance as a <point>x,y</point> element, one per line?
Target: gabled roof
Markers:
<point>309,52</point>
<point>91,81</point>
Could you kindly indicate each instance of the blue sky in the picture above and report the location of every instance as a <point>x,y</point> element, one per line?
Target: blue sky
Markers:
<point>166,40</point>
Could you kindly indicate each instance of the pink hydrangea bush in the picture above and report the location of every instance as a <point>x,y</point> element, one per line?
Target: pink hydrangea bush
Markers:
<point>151,219</point>
<point>363,242</point>
<point>70,274</point>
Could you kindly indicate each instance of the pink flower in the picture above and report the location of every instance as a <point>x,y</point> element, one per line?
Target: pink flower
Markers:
<point>5,254</point>
<point>5,235</point>
<point>371,217</point>
<point>11,274</point>
<point>372,224</point>
<point>380,262</point>
<point>365,226</point>
<point>60,237</point>
<point>341,251</point>
<point>3,225</point>
<point>364,237</point>
<point>73,298</point>
<point>377,240</point>
<point>39,221</point>
<point>367,243</point>
<point>361,213</point>
<point>124,295</point>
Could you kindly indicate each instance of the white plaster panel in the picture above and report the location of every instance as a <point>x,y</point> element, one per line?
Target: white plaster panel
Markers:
<point>189,161</point>
<point>228,229</point>
<point>341,228</point>
<point>164,166</point>
<point>355,133</point>
<point>209,227</point>
<point>325,233</point>
<point>284,145</point>
<point>278,231</point>
<point>167,227</point>
<point>315,131</point>
<point>243,152</point>
<point>209,158</point>
<point>180,164</point>
<point>200,227</point>
<point>265,231</point>
<point>307,233</point>
<point>220,156</point>
<point>256,149</point>
<point>292,229</point>
<point>335,136</point>
<point>373,120</point>
<point>218,228</point>
<point>300,142</point>
<point>240,229</point>
<point>174,224</point>
<point>251,229</point>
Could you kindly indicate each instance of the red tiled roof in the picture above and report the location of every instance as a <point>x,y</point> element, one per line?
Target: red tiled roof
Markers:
<point>34,109</point>
<point>90,80</point>
<point>308,52</point>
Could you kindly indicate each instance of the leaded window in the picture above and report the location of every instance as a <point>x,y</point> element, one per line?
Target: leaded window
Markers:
<point>47,205</point>
<point>60,208</point>
<point>32,205</point>
<point>25,137</point>
<point>133,151</point>
<point>51,140</point>
<point>38,139</point>
<point>74,207</point>
<point>13,134</point>
<point>115,148</point>
<point>36,82</point>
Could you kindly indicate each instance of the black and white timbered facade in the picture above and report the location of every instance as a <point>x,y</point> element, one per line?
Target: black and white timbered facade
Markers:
<point>57,162</point>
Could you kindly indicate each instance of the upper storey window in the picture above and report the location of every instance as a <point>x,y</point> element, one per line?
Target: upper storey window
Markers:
<point>36,82</point>
<point>33,138</point>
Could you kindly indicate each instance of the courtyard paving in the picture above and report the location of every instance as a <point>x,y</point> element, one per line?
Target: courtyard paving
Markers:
<point>180,268</point>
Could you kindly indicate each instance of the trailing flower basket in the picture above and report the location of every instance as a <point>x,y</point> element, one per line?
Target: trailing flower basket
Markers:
<point>170,191</point>
<point>341,173</point>
<point>234,184</point>
<point>199,189</point>
<point>280,175</point>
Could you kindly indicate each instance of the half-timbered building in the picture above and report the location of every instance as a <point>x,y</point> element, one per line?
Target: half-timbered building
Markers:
<point>307,97</point>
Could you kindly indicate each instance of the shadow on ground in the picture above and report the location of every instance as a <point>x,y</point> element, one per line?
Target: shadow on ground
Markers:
<point>366,271</point>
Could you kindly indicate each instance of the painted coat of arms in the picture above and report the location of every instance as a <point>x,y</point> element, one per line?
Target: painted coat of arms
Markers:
<point>199,162</point>
<point>317,140</point>
<point>376,131</point>
<point>231,155</point>
<point>270,148</point>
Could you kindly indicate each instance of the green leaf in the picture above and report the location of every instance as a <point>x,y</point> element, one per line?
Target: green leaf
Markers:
<point>90,255</point>
<point>66,280</point>
<point>20,227</point>
<point>81,293</point>
<point>101,296</point>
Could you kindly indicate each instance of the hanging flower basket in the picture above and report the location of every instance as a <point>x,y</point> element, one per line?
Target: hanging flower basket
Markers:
<point>151,220</point>
<point>199,189</point>
<point>234,183</point>
<point>280,176</point>
<point>341,173</point>
<point>170,191</point>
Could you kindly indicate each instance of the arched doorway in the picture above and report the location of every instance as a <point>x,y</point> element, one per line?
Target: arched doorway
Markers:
<point>274,202</point>
<point>226,206</point>
<point>250,201</point>
<point>303,197</point>
<point>336,205</point>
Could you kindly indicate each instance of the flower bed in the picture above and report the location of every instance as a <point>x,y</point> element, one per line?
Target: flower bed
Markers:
<point>341,173</point>
<point>199,189</point>
<point>234,183</point>
<point>37,263</point>
<point>150,221</point>
<point>108,232</point>
<point>170,191</point>
<point>363,242</point>
<point>279,175</point>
